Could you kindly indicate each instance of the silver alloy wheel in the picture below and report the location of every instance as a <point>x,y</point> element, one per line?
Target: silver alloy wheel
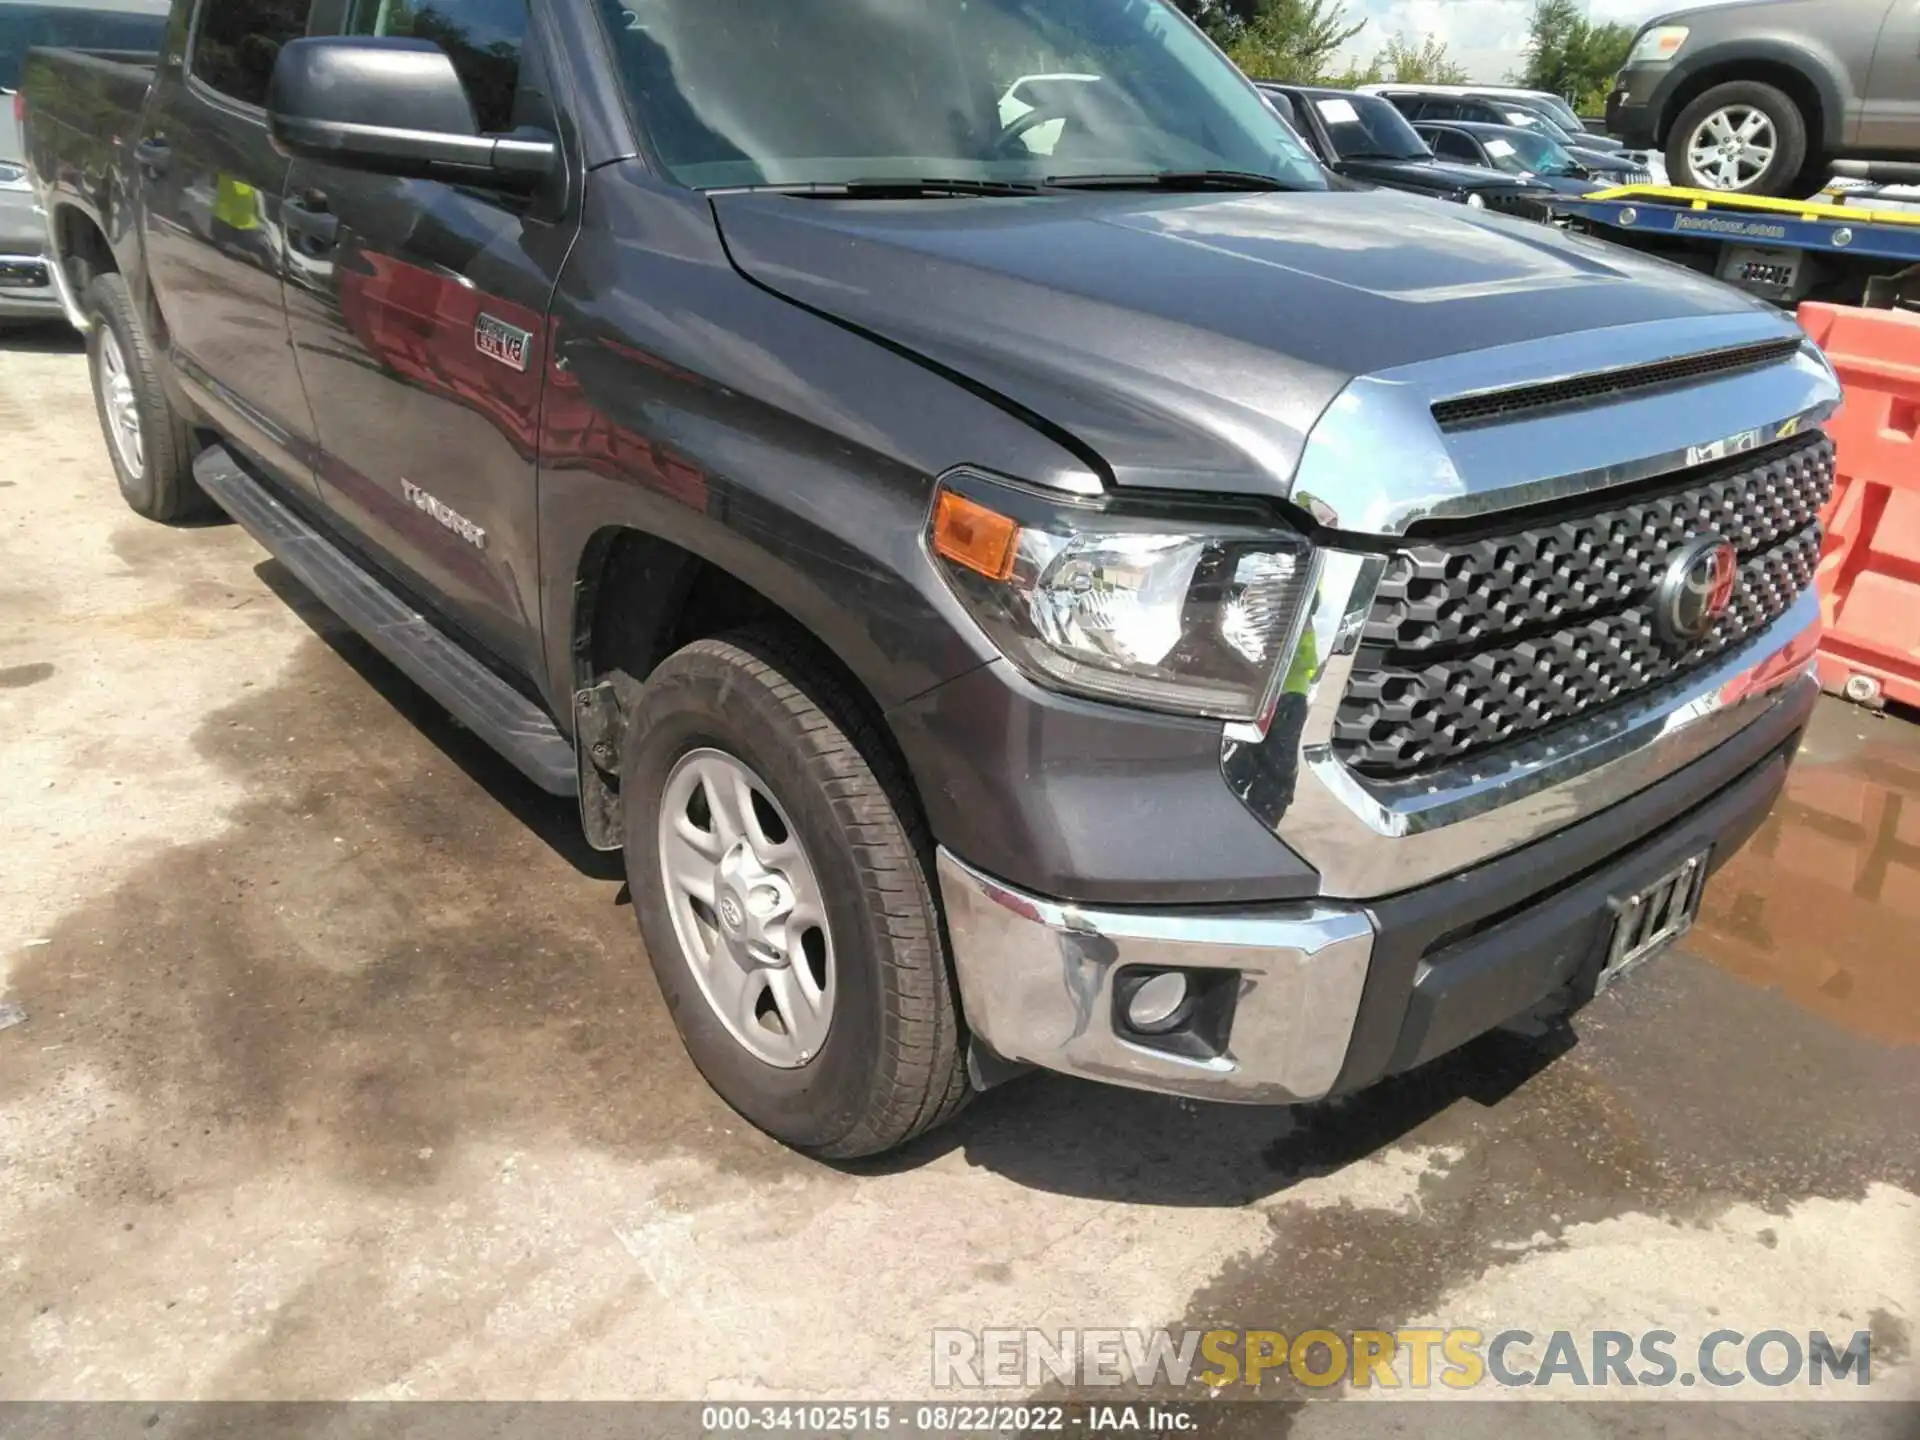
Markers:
<point>123,410</point>
<point>1732,148</point>
<point>747,908</point>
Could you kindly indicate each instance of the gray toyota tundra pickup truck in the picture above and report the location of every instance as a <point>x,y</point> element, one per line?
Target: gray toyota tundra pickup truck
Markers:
<point>1091,596</point>
<point>1758,96</point>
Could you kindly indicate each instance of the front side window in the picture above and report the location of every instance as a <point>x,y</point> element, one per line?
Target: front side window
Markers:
<point>236,43</point>
<point>1535,117</point>
<point>1563,114</point>
<point>793,92</point>
<point>483,38</point>
<point>138,28</point>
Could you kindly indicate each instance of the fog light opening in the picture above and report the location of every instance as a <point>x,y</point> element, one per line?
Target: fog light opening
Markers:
<point>1160,1003</point>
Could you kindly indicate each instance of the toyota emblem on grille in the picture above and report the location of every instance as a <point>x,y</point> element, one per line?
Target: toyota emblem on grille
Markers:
<point>1696,590</point>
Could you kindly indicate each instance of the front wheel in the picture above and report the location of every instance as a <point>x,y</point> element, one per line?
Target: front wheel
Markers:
<point>1742,137</point>
<point>781,881</point>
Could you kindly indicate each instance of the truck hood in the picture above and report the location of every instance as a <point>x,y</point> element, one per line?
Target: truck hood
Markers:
<point>1192,342</point>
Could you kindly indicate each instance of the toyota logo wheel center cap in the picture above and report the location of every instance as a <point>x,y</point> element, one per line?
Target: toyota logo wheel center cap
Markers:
<point>1696,590</point>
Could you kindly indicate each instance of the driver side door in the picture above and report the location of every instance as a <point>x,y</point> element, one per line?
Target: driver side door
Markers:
<point>418,310</point>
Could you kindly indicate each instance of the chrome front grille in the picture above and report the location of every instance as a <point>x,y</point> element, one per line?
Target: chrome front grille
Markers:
<point>1477,640</point>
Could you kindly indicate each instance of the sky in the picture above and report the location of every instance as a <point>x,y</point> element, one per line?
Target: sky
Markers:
<point>1486,36</point>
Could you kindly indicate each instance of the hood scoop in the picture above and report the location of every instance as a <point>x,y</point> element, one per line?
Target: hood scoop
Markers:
<point>1495,407</point>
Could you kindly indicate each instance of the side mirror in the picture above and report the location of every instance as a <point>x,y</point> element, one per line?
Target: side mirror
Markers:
<point>395,107</point>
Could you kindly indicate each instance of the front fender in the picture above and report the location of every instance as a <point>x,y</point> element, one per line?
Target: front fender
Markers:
<point>794,454</point>
<point>1728,59</point>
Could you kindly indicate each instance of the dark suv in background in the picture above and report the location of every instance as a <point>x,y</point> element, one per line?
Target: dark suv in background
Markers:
<point>1758,97</point>
<point>1364,139</point>
<point>1527,154</point>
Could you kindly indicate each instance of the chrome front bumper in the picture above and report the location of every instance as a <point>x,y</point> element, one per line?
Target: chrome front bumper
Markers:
<point>1037,982</point>
<point>1038,977</point>
<point>27,300</point>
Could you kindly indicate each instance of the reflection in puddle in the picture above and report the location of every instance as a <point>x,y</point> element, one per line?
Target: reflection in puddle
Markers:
<point>1824,901</point>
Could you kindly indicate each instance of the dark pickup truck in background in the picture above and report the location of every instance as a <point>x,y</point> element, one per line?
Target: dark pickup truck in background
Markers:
<point>1075,594</point>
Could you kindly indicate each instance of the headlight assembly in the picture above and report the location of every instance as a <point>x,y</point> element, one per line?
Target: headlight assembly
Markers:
<point>1149,604</point>
<point>1662,42</point>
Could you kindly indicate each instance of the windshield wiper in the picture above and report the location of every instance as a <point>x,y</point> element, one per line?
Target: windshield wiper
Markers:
<point>1382,155</point>
<point>1171,180</point>
<point>902,187</point>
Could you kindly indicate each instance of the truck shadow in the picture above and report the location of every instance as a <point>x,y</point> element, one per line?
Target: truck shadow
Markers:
<point>51,337</point>
<point>1072,1137</point>
<point>555,821</point>
<point>1047,1132</point>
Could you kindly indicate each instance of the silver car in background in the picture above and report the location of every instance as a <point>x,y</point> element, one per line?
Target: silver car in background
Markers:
<point>110,26</point>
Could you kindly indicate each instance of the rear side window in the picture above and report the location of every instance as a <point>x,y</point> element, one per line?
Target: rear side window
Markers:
<point>237,42</point>
<point>483,38</point>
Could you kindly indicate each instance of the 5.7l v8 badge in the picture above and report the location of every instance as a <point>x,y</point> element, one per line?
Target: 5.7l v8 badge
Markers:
<point>500,341</point>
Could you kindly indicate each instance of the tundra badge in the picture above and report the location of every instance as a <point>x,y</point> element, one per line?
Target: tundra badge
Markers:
<point>444,515</point>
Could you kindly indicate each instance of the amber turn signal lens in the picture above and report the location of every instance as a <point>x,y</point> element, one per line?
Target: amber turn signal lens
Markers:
<point>970,534</point>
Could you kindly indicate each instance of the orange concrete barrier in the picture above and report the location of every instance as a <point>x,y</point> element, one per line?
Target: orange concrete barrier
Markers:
<point>1870,564</point>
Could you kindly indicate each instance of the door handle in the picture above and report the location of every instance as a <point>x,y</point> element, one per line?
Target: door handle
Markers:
<point>153,154</point>
<point>308,217</point>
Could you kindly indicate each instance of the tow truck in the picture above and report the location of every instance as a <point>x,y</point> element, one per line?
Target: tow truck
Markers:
<point>1856,243</point>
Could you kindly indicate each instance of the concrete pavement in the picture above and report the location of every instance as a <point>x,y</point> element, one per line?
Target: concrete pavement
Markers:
<point>343,1073</point>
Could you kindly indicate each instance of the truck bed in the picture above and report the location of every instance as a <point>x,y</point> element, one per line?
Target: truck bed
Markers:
<point>80,106</point>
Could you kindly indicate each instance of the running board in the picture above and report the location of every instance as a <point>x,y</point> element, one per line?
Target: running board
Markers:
<point>483,702</point>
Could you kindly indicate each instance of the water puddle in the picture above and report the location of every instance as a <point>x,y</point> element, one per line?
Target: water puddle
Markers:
<point>1824,902</point>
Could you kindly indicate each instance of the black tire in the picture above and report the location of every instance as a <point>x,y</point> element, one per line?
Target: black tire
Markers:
<point>162,488</point>
<point>892,1063</point>
<point>1790,157</point>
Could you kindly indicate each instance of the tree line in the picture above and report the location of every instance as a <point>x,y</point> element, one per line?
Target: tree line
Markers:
<point>1303,41</point>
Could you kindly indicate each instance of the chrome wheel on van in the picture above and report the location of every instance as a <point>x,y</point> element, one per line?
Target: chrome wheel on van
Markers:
<point>120,405</point>
<point>747,907</point>
<point>1731,148</point>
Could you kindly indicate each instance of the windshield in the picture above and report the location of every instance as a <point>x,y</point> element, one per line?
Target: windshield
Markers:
<point>1364,127</point>
<point>1531,114</point>
<point>826,92</point>
<point>22,27</point>
<point>1561,111</point>
<point>1528,152</point>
